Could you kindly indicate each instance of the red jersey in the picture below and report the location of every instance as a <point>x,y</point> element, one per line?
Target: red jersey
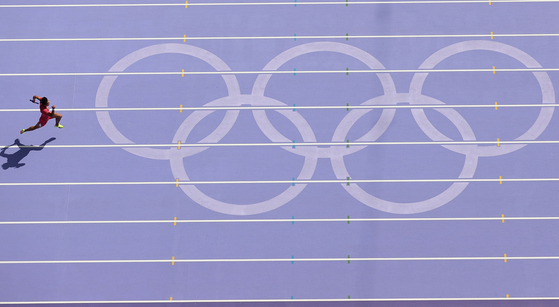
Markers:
<point>45,115</point>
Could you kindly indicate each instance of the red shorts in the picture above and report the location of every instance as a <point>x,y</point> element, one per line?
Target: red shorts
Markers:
<point>43,120</point>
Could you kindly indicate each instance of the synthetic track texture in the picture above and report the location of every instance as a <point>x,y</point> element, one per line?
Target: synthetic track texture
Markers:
<point>280,153</point>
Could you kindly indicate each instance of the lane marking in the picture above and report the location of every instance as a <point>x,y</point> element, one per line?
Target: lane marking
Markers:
<point>268,3</point>
<point>308,181</point>
<point>347,107</point>
<point>347,144</point>
<point>347,36</point>
<point>376,71</point>
<point>232,260</point>
<point>292,220</point>
<point>420,299</point>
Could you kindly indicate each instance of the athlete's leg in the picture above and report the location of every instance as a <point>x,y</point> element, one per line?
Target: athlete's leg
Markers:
<point>37,126</point>
<point>58,117</point>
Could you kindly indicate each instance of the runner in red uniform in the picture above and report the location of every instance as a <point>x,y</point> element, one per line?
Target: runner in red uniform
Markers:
<point>45,115</point>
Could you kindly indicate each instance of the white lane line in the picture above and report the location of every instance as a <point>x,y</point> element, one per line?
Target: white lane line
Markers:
<point>298,220</point>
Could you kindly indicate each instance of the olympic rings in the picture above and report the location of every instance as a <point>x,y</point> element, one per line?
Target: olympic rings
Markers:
<point>336,154</point>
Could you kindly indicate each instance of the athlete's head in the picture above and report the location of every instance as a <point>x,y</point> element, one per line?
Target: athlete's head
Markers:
<point>44,101</point>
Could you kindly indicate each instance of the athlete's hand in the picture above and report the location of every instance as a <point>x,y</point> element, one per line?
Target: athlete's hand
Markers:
<point>53,106</point>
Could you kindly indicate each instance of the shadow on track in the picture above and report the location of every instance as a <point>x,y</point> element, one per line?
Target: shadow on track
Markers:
<point>14,160</point>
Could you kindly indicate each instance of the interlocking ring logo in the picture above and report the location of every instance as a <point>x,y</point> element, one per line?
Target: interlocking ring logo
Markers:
<point>336,154</point>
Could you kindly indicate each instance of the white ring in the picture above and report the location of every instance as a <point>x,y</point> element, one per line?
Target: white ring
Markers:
<point>548,96</point>
<point>177,167</point>
<point>314,151</point>
<point>102,98</point>
<point>443,198</point>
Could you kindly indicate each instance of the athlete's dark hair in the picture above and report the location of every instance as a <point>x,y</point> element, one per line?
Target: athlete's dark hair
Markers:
<point>44,100</point>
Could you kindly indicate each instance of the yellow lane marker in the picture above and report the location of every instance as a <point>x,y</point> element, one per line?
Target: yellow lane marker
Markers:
<point>495,105</point>
<point>176,223</point>
<point>186,4</point>
<point>493,69</point>
<point>181,109</point>
<point>503,216</point>
<point>505,257</point>
<point>173,263</point>
<point>179,144</point>
<point>491,35</point>
<point>184,41</point>
<point>500,180</point>
<point>183,72</point>
<point>177,182</point>
<point>498,143</point>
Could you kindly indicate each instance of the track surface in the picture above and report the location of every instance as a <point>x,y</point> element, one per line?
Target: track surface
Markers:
<point>304,228</point>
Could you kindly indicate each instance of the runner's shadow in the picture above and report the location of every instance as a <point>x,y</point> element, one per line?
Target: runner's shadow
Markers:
<point>14,160</point>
